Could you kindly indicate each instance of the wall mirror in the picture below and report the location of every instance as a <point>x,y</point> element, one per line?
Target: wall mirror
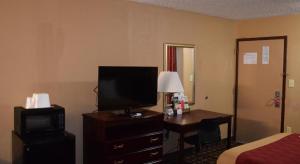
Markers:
<point>181,58</point>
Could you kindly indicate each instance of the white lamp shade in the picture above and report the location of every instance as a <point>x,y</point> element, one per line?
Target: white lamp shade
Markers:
<point>169,82</point>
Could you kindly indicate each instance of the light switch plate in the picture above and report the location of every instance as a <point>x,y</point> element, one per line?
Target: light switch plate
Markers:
<point>289,129</point>
<point>291,83</point>
<point>191,78</point>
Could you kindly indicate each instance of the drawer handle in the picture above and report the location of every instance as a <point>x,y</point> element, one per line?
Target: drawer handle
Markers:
<point>120,146</point>
<point>154,139</point>
<point>118,161</point>
<point>154,154</point>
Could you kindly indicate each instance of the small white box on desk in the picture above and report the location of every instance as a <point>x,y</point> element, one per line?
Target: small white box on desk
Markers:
<point>38,100</point>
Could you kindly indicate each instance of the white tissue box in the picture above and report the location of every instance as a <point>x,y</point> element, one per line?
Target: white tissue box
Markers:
<point>38,100</point>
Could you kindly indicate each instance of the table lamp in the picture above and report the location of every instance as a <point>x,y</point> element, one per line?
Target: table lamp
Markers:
<point>169,82</point>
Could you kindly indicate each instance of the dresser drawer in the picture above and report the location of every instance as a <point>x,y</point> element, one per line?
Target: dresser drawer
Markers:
<point>134,144</point>
<point>142,126</point>
<point>146,156</point>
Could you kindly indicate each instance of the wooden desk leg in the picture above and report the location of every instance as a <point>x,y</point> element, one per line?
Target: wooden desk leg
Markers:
<point>229,134</point>
<point>181,147</point>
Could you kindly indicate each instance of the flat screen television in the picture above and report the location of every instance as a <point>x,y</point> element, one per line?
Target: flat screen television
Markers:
<point>125,88</point>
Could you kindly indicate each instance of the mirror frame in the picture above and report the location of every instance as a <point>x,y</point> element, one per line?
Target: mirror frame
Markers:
<point>165,67</point>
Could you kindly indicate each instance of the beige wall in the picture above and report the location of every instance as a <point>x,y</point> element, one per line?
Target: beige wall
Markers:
<point>55,46</point>
<point>274,26</point>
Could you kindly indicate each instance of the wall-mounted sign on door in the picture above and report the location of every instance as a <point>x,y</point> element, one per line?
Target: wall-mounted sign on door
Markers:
<point>265,55</point>
<point>250,58</point>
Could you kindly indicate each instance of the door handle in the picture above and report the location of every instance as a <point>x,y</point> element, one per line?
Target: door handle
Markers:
<point>154,139</point>
<point>120,146</point>
<point>154,154</point>
<point>118,161</point>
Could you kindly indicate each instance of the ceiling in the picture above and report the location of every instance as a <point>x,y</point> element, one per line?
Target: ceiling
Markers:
<point>232,9</point>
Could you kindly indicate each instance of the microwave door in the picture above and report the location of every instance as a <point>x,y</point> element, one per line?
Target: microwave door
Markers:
<point>39,123</point>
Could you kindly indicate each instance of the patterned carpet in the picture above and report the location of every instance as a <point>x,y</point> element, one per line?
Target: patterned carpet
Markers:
<point>207,155</point>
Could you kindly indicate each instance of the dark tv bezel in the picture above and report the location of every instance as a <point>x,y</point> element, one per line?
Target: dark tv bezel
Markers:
<point>126,108</point>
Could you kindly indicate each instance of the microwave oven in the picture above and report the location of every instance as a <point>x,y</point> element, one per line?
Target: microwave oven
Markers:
<point>40,121</point>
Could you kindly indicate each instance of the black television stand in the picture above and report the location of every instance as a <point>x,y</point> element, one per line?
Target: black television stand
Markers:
<point>134,113</point>
<point>130,112</point>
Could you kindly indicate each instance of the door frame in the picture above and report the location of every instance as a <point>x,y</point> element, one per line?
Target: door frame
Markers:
<point>284,74</point>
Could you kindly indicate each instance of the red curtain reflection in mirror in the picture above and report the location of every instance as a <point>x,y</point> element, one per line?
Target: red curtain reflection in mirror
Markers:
<point>172,61</point>
<point>171,66</point>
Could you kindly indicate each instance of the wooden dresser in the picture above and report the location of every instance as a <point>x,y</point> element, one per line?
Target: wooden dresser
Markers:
<point>118,139</point>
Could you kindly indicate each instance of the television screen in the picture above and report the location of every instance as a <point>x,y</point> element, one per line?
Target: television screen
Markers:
<point>126,88</point>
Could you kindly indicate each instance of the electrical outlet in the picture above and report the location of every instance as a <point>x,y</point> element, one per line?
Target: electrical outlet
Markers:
<point>289,129</point>
<point>291,83</point>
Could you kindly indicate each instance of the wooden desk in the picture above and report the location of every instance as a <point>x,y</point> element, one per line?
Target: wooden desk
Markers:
<point>190,121</point>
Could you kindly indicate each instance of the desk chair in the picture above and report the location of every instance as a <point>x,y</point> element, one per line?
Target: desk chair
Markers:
<point>207,134</point>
